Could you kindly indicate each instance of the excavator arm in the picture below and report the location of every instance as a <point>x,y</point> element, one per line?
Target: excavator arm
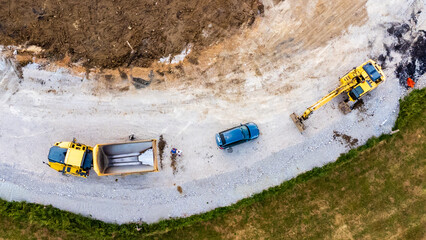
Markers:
<point>298,120</point>
<point>336,92</point>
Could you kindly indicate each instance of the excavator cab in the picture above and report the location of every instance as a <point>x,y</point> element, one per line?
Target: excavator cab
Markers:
<point>356,93</point>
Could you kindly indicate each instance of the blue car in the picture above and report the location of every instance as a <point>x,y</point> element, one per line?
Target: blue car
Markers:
<point>237,135</point>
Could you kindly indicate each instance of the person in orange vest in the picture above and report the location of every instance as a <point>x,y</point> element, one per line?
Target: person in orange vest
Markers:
<point>410,83</point>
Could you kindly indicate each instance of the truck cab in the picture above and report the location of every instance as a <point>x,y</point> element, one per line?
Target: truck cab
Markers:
<point>71,158</point>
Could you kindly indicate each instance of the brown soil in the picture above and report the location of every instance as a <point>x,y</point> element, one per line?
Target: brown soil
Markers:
<point>103,33</point>
<point>174,163</point>
<point>161,145</point>
<point>359,105</point>
<point>179,188</point>
<point>348,140</point>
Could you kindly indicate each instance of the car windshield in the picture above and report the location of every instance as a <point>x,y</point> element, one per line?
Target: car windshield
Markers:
<point>245,132</point>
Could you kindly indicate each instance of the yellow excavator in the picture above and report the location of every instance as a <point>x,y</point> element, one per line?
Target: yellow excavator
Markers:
<point>355,84</point>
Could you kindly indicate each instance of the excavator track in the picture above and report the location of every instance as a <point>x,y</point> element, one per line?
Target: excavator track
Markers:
<point>344,107</point>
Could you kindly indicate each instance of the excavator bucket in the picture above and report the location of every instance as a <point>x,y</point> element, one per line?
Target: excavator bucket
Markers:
<point>298,121</point>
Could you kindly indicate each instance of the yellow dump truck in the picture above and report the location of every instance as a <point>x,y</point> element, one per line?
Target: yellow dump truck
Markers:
<point>107,159</point>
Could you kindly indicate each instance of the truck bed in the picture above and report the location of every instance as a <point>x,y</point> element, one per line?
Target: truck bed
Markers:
<point>125,158</point>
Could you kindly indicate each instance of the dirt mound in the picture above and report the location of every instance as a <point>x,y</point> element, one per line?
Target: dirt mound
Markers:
<point>345,139</point>
<point>161,145</point>
<point>411,44</point>
<point>103,33</point>
<point>415,64</point>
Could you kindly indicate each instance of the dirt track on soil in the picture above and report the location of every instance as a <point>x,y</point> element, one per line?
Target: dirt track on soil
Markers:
<point>96,32</point>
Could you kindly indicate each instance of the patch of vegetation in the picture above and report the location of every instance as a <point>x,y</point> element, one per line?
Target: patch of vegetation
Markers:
<point>374,191</point>
<point>411,107</point>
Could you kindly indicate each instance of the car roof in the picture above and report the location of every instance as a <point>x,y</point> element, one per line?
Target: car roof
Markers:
<point>232,135</point>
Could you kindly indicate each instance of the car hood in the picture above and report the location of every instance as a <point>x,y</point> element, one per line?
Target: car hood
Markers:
<point>254,130</point>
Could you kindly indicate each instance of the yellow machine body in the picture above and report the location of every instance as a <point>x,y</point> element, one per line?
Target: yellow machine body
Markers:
<point>107,159</point>
<point>355,84</point>
<point>71,158</point>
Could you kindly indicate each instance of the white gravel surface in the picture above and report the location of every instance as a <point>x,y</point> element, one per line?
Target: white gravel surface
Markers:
<point>33,117</point>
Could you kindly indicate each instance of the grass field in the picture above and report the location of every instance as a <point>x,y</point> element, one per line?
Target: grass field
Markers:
<point>376,191</point>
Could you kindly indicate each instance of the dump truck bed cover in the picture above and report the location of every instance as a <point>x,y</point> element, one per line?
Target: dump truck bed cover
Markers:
<point>125,158</point>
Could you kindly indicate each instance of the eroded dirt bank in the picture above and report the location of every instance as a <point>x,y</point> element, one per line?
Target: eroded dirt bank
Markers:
<point>97,32</point>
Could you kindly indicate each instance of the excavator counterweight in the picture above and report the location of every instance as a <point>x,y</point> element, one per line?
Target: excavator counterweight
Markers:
<point>355,84</point>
